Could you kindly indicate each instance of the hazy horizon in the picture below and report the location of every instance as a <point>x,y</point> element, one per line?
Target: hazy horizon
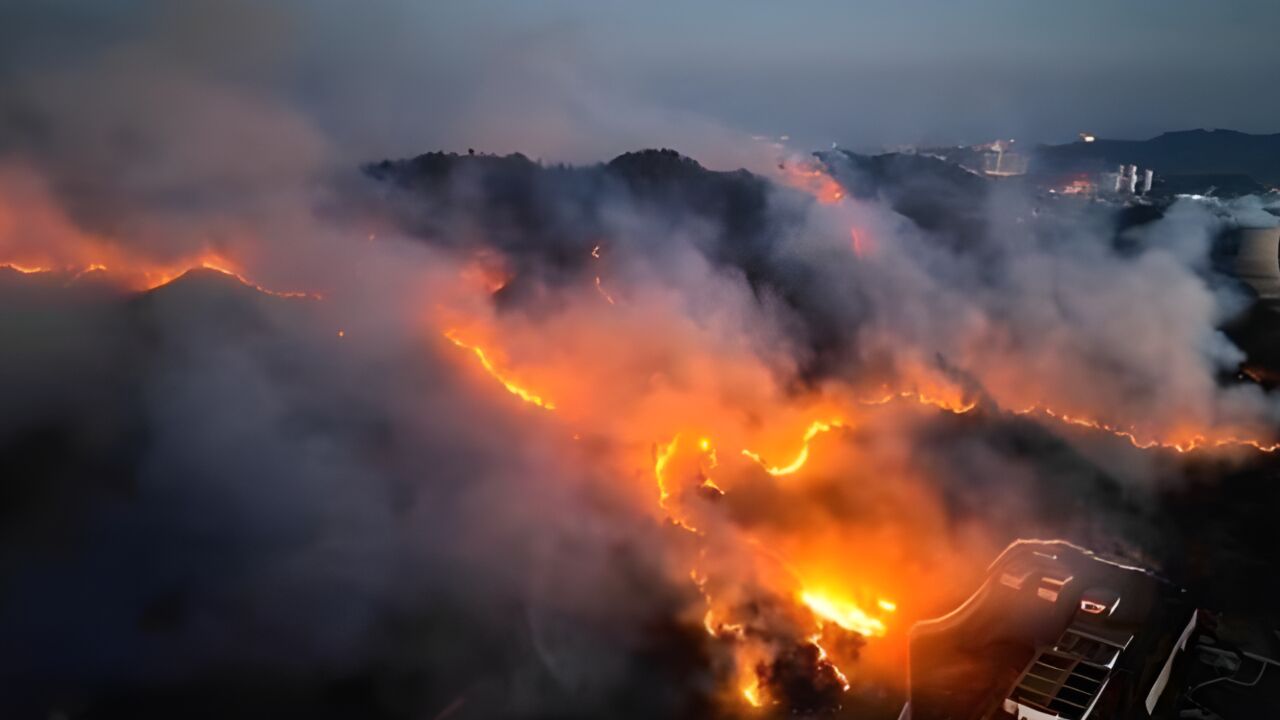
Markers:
<point>567,80</point>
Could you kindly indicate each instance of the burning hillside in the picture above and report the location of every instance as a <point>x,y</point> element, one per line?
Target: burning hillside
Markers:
<point>632,439</point>
<point>294,423</point>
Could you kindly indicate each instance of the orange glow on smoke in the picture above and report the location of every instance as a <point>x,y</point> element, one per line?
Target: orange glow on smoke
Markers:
<point>808,175</point>
<point>37,236</point>
<point>487,270</point>
<point>861,243</point>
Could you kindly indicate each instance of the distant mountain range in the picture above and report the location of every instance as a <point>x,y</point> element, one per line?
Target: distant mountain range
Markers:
<point>1233,157</point>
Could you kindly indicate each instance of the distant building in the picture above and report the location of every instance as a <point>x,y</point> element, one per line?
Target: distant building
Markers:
<point>1000,160</point>
<point>1054,633</point>
<point>1124,181</point>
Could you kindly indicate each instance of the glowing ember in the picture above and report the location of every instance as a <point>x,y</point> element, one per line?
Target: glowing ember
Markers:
<point>603,293</point>
<point>810,177</point>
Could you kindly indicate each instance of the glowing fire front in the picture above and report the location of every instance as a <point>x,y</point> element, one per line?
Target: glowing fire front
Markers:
<point>489,367</point>
<point>683,469</point>
<point>690,480</point>
<point>790,468</point>
<point>142,275</point>
<point>847,614</point>
<point>809,176</point>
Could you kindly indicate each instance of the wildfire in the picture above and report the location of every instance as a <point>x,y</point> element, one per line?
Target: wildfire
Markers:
<point>664,455</point>
<point>751,691</point>
<point>811,177</point>
<point>942,399</point>
<point>25,269</point>
<point>816,428</point>
<point>1198,441</point>
<point>225,269</point>
<point>489,367</point>
<point>603,293</point>
<point>143,276</point>
<point>822,655</point>
<point>846,614</point>
<point>1195,442</point>
<point>799,575</point>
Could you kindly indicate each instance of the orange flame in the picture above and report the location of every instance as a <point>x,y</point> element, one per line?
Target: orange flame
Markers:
<point>751,691</point>
<point>816,428</point>
<point>219,265</point>
<point>810,177</point>
<point>25,269</point>
<point>493,371</point>
<point>844,613</point>
<point>664,455</point>
<point>1197,441</point>
<point>808,571</point>
<point>142,275</point>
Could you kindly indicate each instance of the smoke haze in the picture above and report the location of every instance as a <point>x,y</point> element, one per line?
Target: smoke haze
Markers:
<point>290,430</point>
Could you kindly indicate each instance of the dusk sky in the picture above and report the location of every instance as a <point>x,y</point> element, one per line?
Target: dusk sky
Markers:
<point>571,80</point>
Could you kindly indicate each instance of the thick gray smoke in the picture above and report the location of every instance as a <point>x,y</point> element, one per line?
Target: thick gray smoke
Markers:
<point>219,502</point>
